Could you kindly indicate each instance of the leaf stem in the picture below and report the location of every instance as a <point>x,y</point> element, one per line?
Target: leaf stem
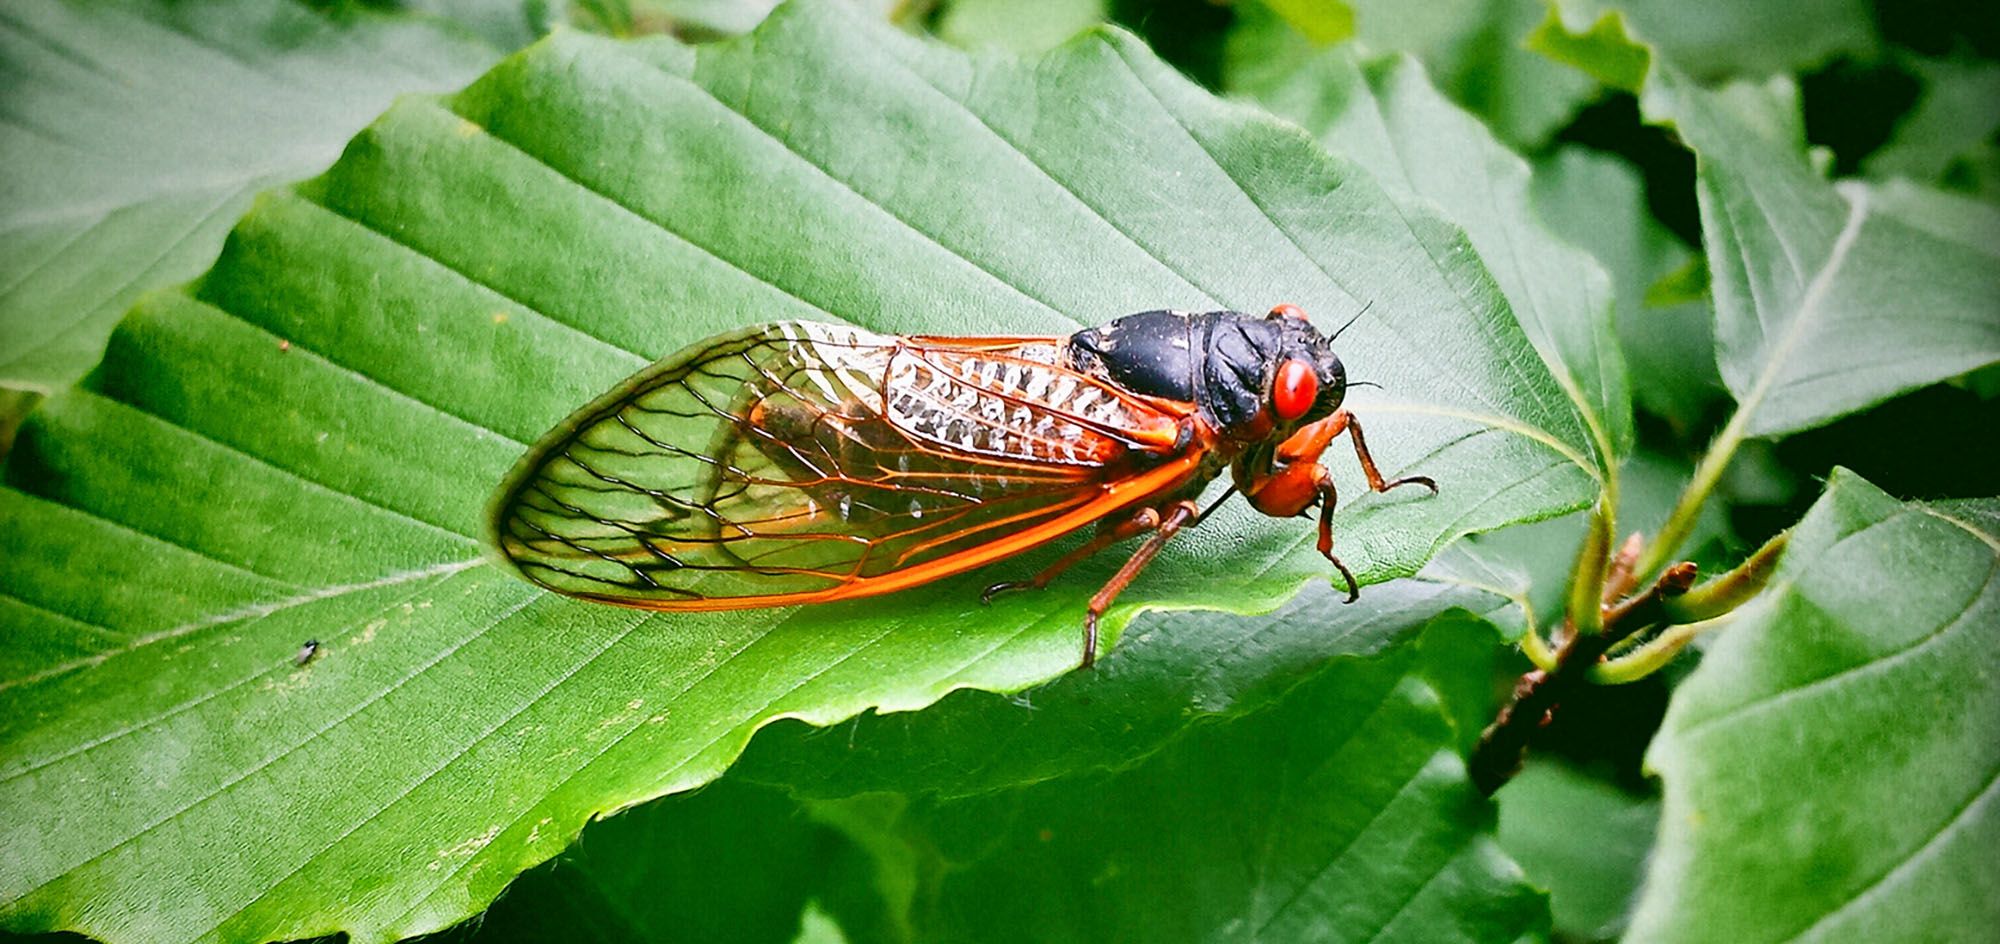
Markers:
<point>1680,522</point>
<point>1504,742</point>
<point>1653,656</point>
<point>1587,579</point>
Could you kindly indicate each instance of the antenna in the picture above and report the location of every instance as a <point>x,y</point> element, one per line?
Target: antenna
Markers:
<point>1351,321</point>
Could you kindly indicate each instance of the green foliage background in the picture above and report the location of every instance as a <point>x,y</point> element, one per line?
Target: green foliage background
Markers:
<point>1638,250</point>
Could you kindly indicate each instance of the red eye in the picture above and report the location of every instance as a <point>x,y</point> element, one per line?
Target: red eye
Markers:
<point>1294,389</point>
<point>1289,310</point>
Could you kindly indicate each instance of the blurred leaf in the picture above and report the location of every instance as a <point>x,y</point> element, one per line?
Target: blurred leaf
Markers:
<point>1713,39</point>
<point>817,927</point>
<point>137,132</point>
<point>1958,113</point>
<point>1830,767</point>
<point>1801,270</point>
<point>1582,839</point>
<point>1321,22</point>
<point>15,405</point>
<point>1340,813</point>
<point>1173,670</point>
<point>1948,216</point>
<point>1472,48</point>
<point>1532,562</point>
<point>1977,173</point>
<point>506,25</point>
<point>1020,26</point>
<point>301,448</point>
<point>1689,283</point>
<point>1598,202</point>
<point>687,19</point>
<point>1386,116</point>
<point>1520,94</point>
<point>729,862</point>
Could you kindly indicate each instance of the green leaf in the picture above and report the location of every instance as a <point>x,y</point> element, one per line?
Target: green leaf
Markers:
<point>817,927</point>
<point>730,862</point>
<point>1959,112</point>
<point>505,25</point>
<point>1802,270</point>
<point>1339,813</point>
<point>1830,769</point>
<point>1473,49</point>
<point>1581,838</point>
<point>1598,202</point>
<point>1387,117</point>
<point>1531,564</point>
<point>139,131</point>
<point>1175,669</point>
<point>1020,26</point>
<point>1713,39</point>
<point>1320,22</point>
<point>1488,69</point>
<point>688,19</point>
<point>300,448</point>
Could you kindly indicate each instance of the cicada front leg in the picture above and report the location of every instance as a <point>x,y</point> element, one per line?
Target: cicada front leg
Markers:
<point>1291,491</point>
<point>1297,481</point>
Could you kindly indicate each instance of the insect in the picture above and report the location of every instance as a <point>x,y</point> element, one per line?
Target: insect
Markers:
<point>306,653</point>
<point>801,462</point>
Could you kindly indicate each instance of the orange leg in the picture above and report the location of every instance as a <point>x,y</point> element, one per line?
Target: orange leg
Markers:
<point>1292,491</point>
<point>1146,519</point>
<point>1177,516</point>
<point>1303,482</point>
<point>1327,500</point>
<point>1375,481</point>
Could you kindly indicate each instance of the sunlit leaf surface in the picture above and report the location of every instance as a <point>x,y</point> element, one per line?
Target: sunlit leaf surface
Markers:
<point>301,445</point>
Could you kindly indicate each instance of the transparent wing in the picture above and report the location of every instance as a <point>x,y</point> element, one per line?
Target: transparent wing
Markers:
<point>797,461</point>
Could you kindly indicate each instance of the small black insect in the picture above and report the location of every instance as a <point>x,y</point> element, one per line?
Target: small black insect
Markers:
<point>306,652</point>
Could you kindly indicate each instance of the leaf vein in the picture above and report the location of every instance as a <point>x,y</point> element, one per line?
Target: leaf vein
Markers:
<point>174,710</point>
<point>479,283</point>
<point>782,142</point>
<point>290,749</point>
<point>450,759</point>
<point>252,611</point>
<point>287,472</point>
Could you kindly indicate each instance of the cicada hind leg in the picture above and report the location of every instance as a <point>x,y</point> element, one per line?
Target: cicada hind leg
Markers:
<point>1177,517</point>
<point>1162,528</point>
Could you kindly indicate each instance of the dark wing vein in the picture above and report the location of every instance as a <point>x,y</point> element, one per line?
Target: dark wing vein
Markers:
<point>801,461</point>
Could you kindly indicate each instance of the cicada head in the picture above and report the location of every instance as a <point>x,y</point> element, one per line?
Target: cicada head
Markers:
<point>1271,374</point>
<point>1308,382</point>
<point>1253,375</point>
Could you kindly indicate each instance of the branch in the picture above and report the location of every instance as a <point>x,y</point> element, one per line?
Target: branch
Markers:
<point>1505,741</point>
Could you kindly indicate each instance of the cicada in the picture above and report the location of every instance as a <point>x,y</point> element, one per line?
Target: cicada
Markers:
<point>801,462</point>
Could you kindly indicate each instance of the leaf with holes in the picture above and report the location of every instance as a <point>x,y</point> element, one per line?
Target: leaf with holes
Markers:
<point>300,446</point>
<point>138,131</point>
<point>1832,770</point>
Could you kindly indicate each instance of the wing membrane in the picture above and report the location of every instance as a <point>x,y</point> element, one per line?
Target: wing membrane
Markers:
<point>797,462</point>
